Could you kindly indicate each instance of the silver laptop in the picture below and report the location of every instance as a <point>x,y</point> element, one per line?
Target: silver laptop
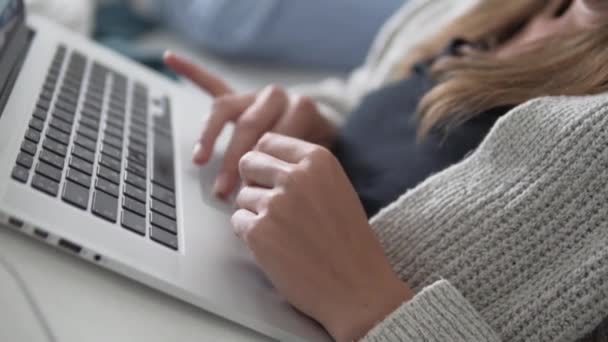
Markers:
<point>95,160</point>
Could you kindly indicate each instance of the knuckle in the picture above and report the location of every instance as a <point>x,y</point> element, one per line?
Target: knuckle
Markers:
<point>249,123</point>
<point>321,154</point>
<point>246,160</point>
<point>254,236</point>
<point>304,104</point>
<point>275,92</point>
<point>275,201</point>
<point>289,177</point>
<point>222,104</point>
<point>265,141</point>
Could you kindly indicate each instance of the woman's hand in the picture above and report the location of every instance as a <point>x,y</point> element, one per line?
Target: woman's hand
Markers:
<point>270,109</point>
<point>303,222</point>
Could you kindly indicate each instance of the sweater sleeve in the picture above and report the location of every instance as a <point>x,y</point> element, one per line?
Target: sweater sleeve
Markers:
<point>509,243</point>
<point>439,313</point>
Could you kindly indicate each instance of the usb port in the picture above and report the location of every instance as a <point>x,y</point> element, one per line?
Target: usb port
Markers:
<point>15,222</point>
<point>70,246</point>
<point>41,233</point>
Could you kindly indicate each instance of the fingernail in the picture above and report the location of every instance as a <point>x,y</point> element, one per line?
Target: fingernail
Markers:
<point>167,54</point>
<point>198,154</point>
<point>220,186</point>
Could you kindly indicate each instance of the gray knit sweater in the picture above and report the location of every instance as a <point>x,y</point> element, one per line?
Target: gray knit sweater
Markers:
<point>510,244</point>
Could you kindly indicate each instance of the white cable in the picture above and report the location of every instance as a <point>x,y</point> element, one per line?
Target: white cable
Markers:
<point>12,271</point>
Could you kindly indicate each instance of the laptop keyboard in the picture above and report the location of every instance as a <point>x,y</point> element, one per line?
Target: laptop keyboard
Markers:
<point>89,145</point>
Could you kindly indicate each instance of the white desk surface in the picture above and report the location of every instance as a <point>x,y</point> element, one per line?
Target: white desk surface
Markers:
<point>82,302</point>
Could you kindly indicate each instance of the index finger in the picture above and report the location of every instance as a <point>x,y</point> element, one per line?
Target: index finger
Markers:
<point>210,83</point>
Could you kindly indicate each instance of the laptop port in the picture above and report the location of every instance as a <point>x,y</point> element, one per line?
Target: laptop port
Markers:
<point>41,233</point>
<point>70,246</point>
<point>15,222</point>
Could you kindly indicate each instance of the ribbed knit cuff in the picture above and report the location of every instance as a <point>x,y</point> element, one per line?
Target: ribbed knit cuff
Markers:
<point>439,313</point>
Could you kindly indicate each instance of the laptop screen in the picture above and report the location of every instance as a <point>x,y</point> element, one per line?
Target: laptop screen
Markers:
<point>13,40</point>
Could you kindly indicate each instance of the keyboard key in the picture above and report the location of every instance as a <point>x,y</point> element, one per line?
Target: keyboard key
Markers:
<point>66,106</point>
<point>110,162</point>
<point>37,124</point>
<point>163,209</point>
<point>68,99</point>
<point>83,153</point>
<point>49,171</point>
<point>81,165</point>
<point>58,136</point>
<point>113,132</point>
<point>32,135</point>
<point>64,116</point>
<point>136,169</point>
<point>43,104</point>
<point>55,147</point>
<point>138,147</point>
<point>67,90</point>
<point>163,237</point>
<point>49,85</point>
<point>94,95</point>
<point>111,151</point>
<point>138,139</point>
<point>89,123</point>
<point>52,158</point>
<point>29,147</point>
<point>105,206</point>
<point>79,177</point>
<point>164,195</point>
<point>114,122</point>
<point>139,123</point>
<point>40,113</point>
<point>25,160</point>
<point>116,114</point>
<point>112,141</point>
<point>163,163</point>
<point>76,195</point>
<point>46,185</point>
<point>21,174</point>
<point>108,174</point>
<point>93,106</point>
<point>107,187</point>
<point>85,142</point>
<point>46,95</point>
<point>91,114</point>
<point>87,132</point>
<point>163,222</point>
<point>133,222</point>
<point>134,206</point>
<point>135,193</point>
<point>135,180</point>
<point>61,125</point>
<point>137,157</point>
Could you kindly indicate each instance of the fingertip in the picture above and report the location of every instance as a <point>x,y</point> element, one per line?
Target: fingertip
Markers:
<point>199,154</point>
<point>168,56</point>
<point>220,188</point>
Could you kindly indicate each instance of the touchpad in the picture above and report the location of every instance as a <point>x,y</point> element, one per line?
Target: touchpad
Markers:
<point>207,175</point>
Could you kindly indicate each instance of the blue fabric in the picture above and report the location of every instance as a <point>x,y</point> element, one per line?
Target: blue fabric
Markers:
<point>321,33</point>
<point>378,149</point>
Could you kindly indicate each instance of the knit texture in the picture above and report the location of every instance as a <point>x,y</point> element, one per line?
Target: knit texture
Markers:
<point>511,243</point>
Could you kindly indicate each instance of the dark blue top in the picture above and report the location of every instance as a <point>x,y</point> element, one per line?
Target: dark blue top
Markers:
<point>378,148</point>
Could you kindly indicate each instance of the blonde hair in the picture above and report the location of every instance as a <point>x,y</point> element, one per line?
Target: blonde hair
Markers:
<point>571,64</point>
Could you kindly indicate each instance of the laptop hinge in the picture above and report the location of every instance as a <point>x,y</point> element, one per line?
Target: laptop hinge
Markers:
<point>12,77</point>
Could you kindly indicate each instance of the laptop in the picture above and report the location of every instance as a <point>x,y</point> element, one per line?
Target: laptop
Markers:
<point>95,160</point>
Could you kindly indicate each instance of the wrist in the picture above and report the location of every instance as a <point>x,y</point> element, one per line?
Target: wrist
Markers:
<point>355,320</point>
